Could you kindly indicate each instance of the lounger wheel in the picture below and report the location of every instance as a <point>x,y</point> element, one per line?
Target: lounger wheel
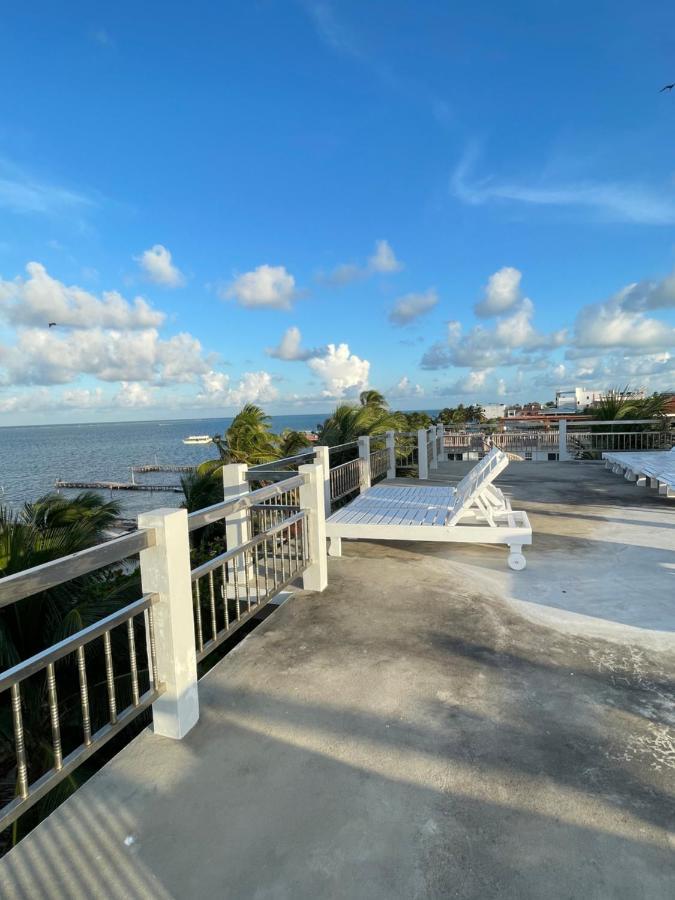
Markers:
<point>517,562</point>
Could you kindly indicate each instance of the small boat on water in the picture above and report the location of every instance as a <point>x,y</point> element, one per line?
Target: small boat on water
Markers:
<point>198,439</point>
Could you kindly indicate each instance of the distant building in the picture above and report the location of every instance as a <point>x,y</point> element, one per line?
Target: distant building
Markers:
<point>493,410</point>
<point>578,398</point>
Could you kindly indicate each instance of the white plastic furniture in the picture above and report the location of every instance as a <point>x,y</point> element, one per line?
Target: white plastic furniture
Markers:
<point>655,468</point>
<point>474,512</point>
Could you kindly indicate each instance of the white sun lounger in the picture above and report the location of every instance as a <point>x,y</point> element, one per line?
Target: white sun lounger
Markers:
<point>653,467</point>
<point>474,512</point>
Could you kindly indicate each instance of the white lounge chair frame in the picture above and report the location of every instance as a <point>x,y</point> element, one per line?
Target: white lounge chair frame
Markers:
<point>474,512</point>
<point>653,468</point>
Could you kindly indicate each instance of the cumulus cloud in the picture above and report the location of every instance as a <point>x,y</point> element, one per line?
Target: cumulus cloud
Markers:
<point>384,259</point>
<point>45,357</point>
<point>648,294</point>
<point>610,324</point>
<point>510,342</point>
<point>253,387</point>
<point>405,389</point>
<point>40,299</point>
<point>412,306</point>
<point>340,370</point>
<point>158,267</point>
<point>344,274</point>
<point>83,398</point>
<point>502,293</point>
<point>290,348</point>
<point>134,395</point>
<point>265,287</point>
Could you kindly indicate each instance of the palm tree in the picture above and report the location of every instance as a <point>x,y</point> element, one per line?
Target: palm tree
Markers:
<point>417,420</point>
<point>373,398</point>
<point>349,421</point>
<point>248,439</point>
<point>291,442</point>
<point>621,404</point>
<point>204,486</point>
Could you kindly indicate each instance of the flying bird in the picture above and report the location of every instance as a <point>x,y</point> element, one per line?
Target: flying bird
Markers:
<point>52,324</point>
<point>667,87</point>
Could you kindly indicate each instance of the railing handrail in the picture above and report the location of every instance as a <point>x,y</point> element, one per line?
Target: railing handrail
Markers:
<point>220,510</point>
<point>57,571</point>
<point>39,661</point>
<point>342,446</point>
<point>225,557</point>
<point>350,462</point>
<point>285,460</point>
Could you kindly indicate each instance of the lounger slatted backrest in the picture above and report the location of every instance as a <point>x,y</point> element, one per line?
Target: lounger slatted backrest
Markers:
<point>476,481</point>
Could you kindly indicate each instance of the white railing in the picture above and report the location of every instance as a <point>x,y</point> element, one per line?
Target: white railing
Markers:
<point>565,440</point>
<point>379,463</point>
<point>145,654</point>
<point>346,479</point>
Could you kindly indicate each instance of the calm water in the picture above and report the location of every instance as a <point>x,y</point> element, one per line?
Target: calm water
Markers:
<point>33,457</point>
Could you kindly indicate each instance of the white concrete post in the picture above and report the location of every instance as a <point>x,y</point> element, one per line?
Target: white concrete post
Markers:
<point>562,440</point>
<point>440,431</point>
<point>391,454</point>
<point>433,436</point>
<point>323,457</point>
<point>364,454</point>
<point>234,484</point>
<point>165,570</point>
<point>315,577</point>
<point>422,462</point>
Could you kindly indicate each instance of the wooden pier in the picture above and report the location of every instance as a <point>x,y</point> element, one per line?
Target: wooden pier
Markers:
<point>155,467</point>
<point>119,486</point>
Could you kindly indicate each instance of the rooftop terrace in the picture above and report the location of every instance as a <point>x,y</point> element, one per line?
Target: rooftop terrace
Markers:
<point>431,725</point>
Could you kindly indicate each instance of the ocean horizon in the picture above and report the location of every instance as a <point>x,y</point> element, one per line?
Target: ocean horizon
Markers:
<point>33,457</point>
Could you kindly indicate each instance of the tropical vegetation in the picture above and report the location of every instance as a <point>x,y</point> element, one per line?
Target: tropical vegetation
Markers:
<point>623,404</point>
<point>47,529</point>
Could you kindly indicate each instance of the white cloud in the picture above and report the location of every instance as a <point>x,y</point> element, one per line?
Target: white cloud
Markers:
<point>134,395</point>
<point>340,370</point>
<point>267,286</point>
<point>412,306</point>
<point>610,201</point>
<point>44,357</point>
<point>605,325</point>
<point>384,259</point>
<point>502,293</point>
<point>382,262</point>
<point>512,341</point>
<point>644,295</point>
<point>158,267</point>
<point>290,348</point>
<point>405,389</point>
<point>344,274</point>
<point>83,398</point>
<point>253,387</point>
<point>40,299</point>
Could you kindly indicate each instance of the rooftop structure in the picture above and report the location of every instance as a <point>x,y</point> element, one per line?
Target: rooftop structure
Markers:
<point>429,725</point>
<point>579,398</point>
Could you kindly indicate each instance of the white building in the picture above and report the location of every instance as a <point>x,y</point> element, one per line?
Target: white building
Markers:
<point>493,410</point>
<point>579,398</point>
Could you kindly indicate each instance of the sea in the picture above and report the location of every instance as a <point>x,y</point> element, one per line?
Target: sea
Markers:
<point>33,457</point>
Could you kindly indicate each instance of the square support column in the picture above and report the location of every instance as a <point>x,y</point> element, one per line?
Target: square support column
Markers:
<point>165,571</point>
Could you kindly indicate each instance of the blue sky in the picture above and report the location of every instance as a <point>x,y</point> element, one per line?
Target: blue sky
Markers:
<point>448,202</point>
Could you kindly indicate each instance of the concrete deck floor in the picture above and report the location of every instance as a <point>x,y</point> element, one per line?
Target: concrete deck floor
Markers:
<point>433,725</point>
